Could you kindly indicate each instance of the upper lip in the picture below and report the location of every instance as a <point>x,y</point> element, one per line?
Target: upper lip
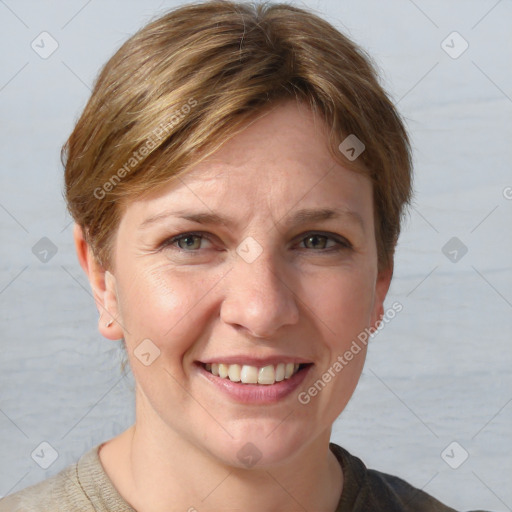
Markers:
<point>251,360</point>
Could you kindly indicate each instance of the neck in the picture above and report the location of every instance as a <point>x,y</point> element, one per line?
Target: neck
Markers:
<point>155,469</point>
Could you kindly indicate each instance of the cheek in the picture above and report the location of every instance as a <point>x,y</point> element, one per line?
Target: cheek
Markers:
<point>162,304</point>
<point>343,303</point>
<point>342,308</point>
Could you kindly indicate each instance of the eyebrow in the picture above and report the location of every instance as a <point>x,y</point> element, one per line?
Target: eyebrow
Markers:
<point>303,216</point>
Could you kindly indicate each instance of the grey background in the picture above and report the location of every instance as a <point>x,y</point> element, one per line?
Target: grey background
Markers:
<point>438,373</point>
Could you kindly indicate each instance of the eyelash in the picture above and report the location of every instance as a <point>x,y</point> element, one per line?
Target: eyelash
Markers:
<point>342,243</point>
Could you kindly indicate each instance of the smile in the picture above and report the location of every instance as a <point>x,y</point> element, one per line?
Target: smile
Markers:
<point>248,374</point>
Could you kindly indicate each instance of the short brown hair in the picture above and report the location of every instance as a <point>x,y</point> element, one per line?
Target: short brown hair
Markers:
<point>191,79</point>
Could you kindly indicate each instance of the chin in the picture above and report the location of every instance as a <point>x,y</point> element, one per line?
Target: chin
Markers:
<point>260,445</point>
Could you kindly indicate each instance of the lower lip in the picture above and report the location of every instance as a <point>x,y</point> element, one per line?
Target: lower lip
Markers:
<point>257,393</point>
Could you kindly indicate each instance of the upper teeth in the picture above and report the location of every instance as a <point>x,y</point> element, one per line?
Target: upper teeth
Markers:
<point>252,374</point>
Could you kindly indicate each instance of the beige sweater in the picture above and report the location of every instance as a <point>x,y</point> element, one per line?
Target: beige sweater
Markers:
<point>85,487</point>
<point>81,487</point>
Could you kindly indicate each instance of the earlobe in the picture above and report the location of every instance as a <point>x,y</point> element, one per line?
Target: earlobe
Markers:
<point>111,328</point>
<point>103,285</point>
<point>381,290</point>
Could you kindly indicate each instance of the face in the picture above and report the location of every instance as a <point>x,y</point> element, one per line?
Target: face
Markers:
<point>261,263</point>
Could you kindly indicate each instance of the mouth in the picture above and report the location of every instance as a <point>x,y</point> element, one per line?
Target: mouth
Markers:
<point>267,375</point>
<point>255,381</point>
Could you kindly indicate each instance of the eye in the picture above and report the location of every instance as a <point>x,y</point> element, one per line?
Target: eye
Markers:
<point>324,242</point>
<point>188,242</point>
<point>321,242</point>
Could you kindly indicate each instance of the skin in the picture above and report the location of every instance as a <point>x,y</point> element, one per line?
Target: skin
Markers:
<point>302,297</point>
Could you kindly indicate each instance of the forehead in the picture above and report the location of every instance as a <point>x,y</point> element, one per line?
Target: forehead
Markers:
<point>280,160</point>
<point>287,131</point>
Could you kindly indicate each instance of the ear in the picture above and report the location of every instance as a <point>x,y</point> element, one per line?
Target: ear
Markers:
<point>381,290</point>
<point>103,285</point>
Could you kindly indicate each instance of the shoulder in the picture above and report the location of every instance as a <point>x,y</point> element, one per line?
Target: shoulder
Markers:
<point>367,489</point>
<point>81,487</point>
<point>60,492</point>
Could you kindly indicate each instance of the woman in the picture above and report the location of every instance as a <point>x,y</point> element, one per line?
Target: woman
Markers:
<point>237,180</point>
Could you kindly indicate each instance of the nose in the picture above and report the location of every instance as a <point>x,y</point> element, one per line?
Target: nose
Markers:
<point>259,298</point>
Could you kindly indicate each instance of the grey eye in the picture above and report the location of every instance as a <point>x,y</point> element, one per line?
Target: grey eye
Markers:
<point>189,242</point>
<point>316,241</point>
